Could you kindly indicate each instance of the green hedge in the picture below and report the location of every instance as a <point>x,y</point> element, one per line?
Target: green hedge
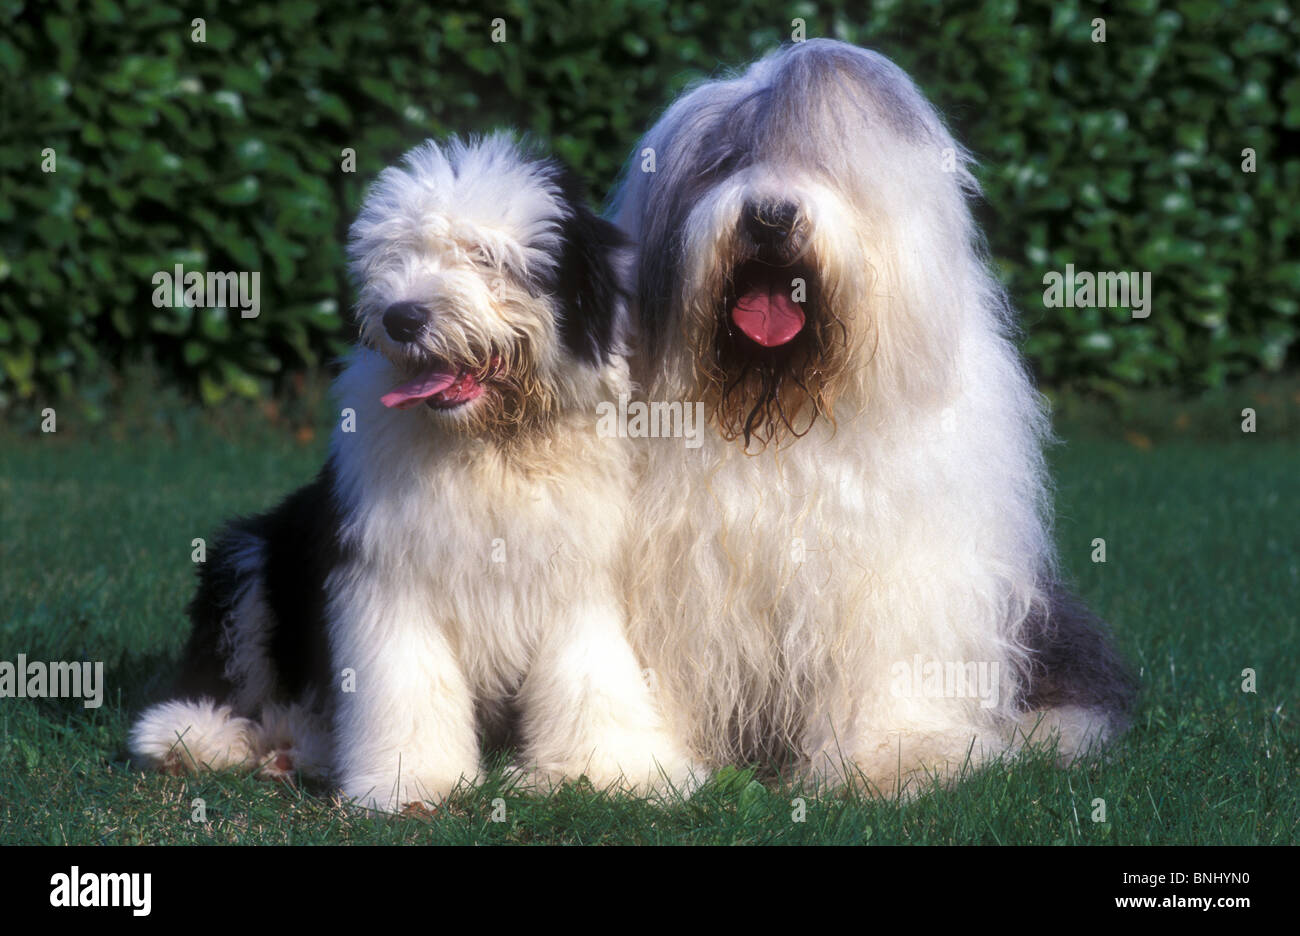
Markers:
<point>226,155</point>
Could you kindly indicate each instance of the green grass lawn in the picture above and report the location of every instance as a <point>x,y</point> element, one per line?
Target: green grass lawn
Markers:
<point>1201,581</point>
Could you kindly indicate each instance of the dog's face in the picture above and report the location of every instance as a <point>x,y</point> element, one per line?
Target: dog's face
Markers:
<point>487,284</point>
<point>786,206</point>
<point>766,339</point>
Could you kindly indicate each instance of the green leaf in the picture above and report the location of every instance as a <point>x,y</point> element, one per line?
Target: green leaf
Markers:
<point>243,191</point>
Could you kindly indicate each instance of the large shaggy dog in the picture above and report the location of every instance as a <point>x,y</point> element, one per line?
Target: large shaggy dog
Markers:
<point>455,562</point>
<point>854,574</point>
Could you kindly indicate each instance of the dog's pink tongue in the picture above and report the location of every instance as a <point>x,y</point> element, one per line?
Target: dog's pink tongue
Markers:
<point>768,315</point>
<point>421,388</point>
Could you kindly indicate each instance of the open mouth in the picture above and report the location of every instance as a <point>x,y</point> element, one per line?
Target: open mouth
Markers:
<point>440,386</point>
<point>764,308</point>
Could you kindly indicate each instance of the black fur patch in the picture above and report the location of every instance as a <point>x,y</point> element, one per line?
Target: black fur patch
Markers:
<point>202,670</point>
<point>587,282</point>
<point>1074,661</point>
<point>301,543</point>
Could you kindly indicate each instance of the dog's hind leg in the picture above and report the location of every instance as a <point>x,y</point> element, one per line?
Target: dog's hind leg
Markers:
<point>1073,693</point>
<point>207,720</point>
<point>1077,689</point>
<point>185,736</point>
<point>252,688</point>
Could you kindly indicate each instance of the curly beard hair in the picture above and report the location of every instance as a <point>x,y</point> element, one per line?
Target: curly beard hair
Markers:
<point>767,396</point>
<point>517,402</point>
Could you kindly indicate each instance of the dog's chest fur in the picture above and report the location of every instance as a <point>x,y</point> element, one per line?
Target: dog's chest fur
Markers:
<point>780,561</point>
<point>771,522</point>
<point>492,543</point>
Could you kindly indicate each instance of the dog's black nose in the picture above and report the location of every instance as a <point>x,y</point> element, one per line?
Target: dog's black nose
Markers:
<point>403,320</point>
<point>770,224</point>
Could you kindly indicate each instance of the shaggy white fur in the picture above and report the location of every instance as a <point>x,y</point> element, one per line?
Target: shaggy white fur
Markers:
<point>890,503</point>
<point>479,525</point>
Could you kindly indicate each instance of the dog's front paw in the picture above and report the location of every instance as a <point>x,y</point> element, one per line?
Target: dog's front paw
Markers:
<point>399,792</point>
<point>661,772</point>
<point>905,764</point>
<point>637,766</point>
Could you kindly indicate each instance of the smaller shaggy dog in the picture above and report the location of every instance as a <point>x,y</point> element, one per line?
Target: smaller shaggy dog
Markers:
<point>452,571</point>
<point>854,575</point>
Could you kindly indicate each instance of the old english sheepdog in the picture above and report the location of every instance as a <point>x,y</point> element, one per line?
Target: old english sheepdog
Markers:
<point>454,569</point>
<point>854,576</point>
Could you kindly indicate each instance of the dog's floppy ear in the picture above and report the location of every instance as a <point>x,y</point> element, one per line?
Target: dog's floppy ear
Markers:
<point>588,282</point>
